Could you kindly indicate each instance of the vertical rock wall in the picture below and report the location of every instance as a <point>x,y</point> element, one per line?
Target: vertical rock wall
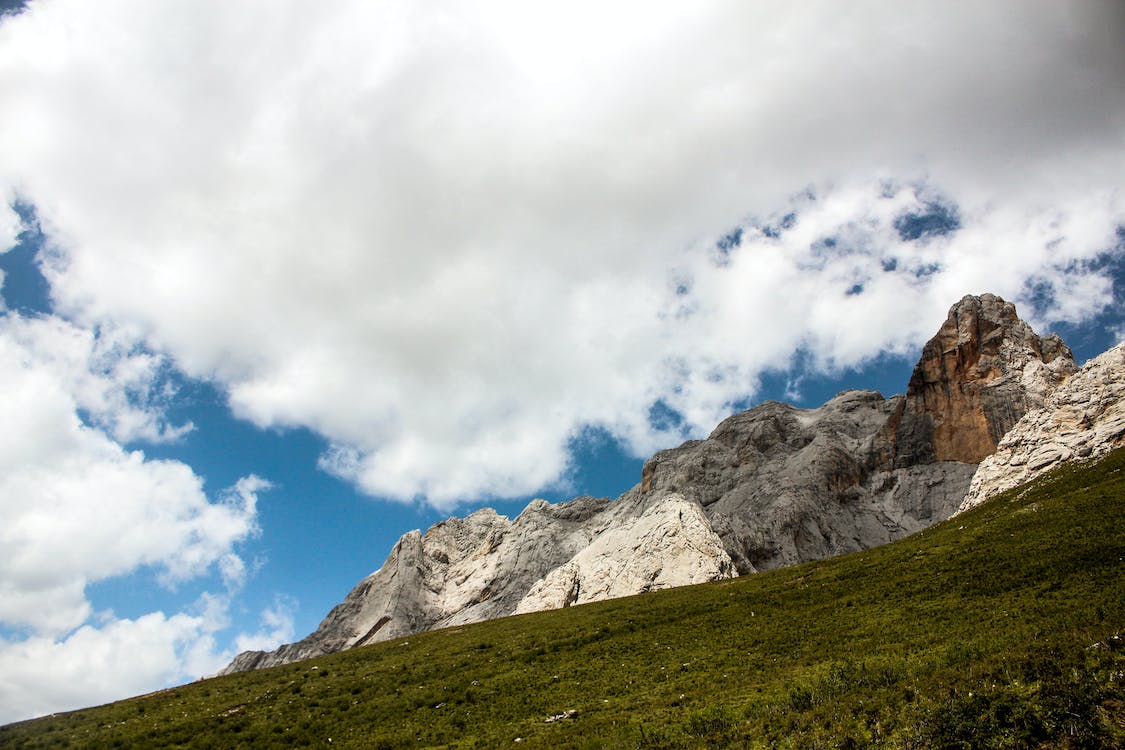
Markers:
<point>979,374</point>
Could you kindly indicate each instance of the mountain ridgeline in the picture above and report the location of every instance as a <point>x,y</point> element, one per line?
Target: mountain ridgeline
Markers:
<point>770,487</point>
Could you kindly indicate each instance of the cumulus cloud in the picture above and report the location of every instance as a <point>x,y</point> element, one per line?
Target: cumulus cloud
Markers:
<point>77,508</point>
<point>10,227</point>
<point>845,274</point>
<point>101,662</point>
<point>448,237</point>
<point>276,627</point>
<point>93,665</point>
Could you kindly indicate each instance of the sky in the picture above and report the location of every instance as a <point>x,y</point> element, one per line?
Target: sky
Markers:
<point>284,281</point>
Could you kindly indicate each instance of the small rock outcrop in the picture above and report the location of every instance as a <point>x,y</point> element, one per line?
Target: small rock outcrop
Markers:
<point>769,487</point>
<point>669,543</point>
<point>1084,418</point>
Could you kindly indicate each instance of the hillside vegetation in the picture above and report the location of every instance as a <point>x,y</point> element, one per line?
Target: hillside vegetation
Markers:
<point>1001,628</point>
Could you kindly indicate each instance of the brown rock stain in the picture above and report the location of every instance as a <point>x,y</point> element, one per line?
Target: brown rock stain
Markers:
<point>967,380</point>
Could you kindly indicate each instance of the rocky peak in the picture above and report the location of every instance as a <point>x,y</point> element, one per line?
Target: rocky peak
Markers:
<point>1084,418</point>
<point>771,486</point>
<point>978,375</point>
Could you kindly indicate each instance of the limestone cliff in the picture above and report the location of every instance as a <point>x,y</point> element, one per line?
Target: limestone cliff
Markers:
<point>670,543</point>
<point>1083,418</point>
<point>460,570</point>
<point>782,485</point>
<point>981,372</point>
<point>772,486</point>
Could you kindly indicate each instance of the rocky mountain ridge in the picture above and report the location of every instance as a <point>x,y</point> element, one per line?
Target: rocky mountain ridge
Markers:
<point>1083,418</point>
<point>772,486</point>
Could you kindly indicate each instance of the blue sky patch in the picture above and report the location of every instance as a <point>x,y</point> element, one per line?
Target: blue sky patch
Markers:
<point>12,7</point>
<point>774,231</point>
<point>602,466</point>
<point>937,219</point>
<point>663,417</point>
<point>1089,338</point>
<point>730,240</point>
<point>25,290</point>
<point>926,270</point>
<point>1040,293</point>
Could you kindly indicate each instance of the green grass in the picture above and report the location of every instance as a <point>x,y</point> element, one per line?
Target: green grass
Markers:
<point>997,629</point>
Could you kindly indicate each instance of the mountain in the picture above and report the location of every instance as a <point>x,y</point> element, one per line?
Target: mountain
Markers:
<point>1001,628</point>
<point>770,487</point>
<point>1083,418</point>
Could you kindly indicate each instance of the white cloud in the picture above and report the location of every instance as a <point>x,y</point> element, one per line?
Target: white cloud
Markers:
<point>10,227</point>
<point>94,665</point>
<point>75,507</point>
<point>120,386</point>
<point>842,283</point>
<point>445,236</point>
<point>276,628</point>
<point>124,657</point>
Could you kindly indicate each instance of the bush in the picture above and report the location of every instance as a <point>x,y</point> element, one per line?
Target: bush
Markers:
<point>710,723</point>
<point>1060,702</point>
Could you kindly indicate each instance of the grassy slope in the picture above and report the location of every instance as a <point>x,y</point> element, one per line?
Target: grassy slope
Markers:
<point>974,633</point>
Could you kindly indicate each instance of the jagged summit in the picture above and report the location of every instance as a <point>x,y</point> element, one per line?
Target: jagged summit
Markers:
<point>771,486</point>
<point>979,374</point>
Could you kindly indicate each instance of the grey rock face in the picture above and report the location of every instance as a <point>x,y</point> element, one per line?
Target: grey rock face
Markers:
<point>772,486</point>
<point>460,570</point>
<point>669,543</point>
<point>783,485</point>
